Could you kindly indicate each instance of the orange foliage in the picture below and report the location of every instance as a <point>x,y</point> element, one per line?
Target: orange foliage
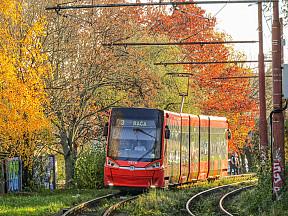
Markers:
<point>222,97</point>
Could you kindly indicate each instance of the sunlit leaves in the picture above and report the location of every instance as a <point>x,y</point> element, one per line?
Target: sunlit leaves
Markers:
<point>22,71</point>
<point>223,97</point>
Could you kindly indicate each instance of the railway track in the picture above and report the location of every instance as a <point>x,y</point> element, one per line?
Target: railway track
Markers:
<point>113,209</point>
<point>85,207</point>
<point>195,206</point>
<point>99,205</point>
<point>110,204</point>
<point>230,195</point>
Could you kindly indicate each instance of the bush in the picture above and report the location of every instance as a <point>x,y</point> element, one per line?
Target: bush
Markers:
<point>259,201</point>
<point>89,169</point>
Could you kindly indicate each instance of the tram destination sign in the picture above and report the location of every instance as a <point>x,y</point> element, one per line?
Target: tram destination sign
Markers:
<point>135,123</point>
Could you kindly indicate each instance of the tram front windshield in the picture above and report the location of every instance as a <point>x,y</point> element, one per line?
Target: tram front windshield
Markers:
<point>135,138</point>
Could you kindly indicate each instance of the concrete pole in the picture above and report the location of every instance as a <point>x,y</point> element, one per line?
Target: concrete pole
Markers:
<point>278,119</point>
<point>263,122</point>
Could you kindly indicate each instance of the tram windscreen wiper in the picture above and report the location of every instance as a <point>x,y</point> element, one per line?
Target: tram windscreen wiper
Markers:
<point>148,152</point>
<point>142,131</point>
<point>152,149</point>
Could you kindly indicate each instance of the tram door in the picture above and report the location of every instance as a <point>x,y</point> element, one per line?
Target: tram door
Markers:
<point>194,147</point>
<point>204,147</point>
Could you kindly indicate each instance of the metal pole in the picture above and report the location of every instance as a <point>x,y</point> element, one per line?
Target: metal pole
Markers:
<point>182,103</point>
<point>263,133</point>
<point>278,152</point>
<point>281,38</point>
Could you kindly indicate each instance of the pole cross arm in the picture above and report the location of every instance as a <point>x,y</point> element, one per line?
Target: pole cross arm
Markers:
<point>180,74</point>
<point>208,62</point>
<point>59,7</point>
<point>177,43</point>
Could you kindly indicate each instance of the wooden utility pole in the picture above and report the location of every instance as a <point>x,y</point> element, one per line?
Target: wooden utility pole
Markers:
<point>278,150</point>
<point>263,122</point>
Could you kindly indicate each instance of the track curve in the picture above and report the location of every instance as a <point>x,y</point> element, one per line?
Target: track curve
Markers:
<point>81,207</point>
<point>113,208</point>
<point>196,197</point>
<point>230,194</point>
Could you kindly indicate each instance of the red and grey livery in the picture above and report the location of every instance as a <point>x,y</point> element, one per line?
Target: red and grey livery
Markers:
<point>179,148</point>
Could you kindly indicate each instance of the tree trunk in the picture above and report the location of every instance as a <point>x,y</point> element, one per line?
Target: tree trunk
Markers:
<point>69,162</point>
<point>69,169</point>
<point>242,164</point>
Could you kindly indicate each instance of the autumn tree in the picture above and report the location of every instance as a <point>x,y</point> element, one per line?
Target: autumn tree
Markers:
<point>222,97</point>
<point>89,78</point>
<point>22,70</point>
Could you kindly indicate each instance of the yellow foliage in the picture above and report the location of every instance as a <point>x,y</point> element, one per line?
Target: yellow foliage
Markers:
<point>22,119</point>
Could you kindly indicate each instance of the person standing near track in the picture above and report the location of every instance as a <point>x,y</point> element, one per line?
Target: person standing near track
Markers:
<point>232,165</point>
<point>237,164</point>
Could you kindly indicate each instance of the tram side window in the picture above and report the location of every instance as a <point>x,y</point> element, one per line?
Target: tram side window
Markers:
<point>204,148</point>
<point>224,145</point>
<point>170,150</point>
<point>185,144</point>
<point>194,143</point>
<point>174,149</point>
<point>204,143</point>
<point>216,134</point>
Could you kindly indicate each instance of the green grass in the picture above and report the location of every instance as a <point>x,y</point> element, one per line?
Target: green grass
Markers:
<point>258,202</point>
<point>169,202</point>
<point>156,202</point>
<point>45,202</point>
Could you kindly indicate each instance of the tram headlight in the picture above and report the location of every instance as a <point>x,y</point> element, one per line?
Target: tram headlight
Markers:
<point>153,166</point>
<point>112,164</point>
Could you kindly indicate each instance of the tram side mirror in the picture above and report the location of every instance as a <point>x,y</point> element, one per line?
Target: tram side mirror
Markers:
<point>229,134</point>
<point>105,129</point>
<point>167,132</point>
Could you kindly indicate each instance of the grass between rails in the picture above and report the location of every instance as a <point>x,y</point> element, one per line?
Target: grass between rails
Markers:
<point>45,202</point>
<point>167,202</point>
<point>156,202</point>
<point>255,202</point>
<point>49,202</point>
<point>258,202</point>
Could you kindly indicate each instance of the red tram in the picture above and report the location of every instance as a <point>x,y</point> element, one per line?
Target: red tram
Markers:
<point>157,148</point>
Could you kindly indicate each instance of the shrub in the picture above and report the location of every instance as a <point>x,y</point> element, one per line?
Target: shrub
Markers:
<point>89,169</point>
<point>259,200</point>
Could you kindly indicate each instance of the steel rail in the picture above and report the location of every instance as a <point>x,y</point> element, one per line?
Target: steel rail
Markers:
<point>209,191</point>
<point>232,193</point>
<point>59,7</point>
<point>79,208</point>
<point>114,207</point>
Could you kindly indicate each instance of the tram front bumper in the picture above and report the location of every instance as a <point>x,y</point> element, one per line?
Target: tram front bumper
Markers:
<point>136,178</point>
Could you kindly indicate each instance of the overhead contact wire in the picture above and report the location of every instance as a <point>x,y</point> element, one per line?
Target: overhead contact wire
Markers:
<point>209,20</point>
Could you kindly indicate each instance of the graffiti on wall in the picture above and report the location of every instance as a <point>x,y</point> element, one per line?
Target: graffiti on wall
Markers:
<point>278,173</point>
<point>14,174</point>
<point>277,179</point>
<point>52,179</point>
<point>44,171</point>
